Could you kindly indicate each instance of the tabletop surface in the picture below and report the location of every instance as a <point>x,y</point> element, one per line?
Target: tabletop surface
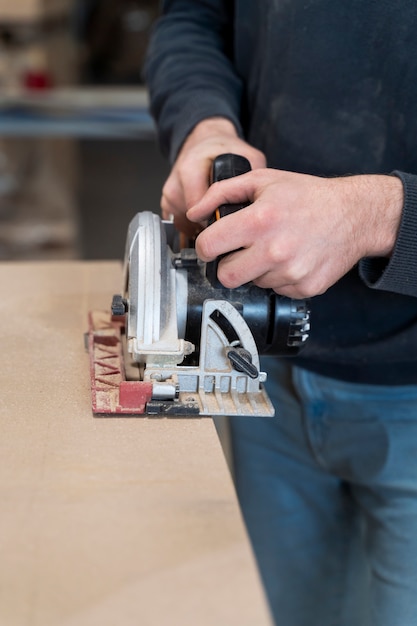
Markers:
<point>105,521</point>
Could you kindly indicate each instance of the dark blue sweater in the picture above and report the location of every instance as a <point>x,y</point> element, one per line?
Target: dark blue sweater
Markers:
<point>321,87</point>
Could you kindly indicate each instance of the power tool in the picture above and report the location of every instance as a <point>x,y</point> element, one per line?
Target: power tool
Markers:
<point>179,344</point>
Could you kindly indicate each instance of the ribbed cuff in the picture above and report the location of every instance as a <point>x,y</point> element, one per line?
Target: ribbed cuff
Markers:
<point>398,274</point>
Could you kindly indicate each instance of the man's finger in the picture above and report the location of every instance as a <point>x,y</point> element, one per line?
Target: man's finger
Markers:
<point>238,190</point>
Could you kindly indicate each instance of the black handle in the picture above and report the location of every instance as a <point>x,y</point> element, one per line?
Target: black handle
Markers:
<point>225,166</point>
<point>229,165</point>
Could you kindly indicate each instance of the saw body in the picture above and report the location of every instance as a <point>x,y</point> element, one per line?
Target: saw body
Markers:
<point>186,345</point>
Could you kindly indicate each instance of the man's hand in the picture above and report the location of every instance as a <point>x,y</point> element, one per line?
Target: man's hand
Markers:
<point>189,177</point>
<point>300,233</point>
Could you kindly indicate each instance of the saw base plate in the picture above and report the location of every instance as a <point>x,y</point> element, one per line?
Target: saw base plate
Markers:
<point>118,390</point>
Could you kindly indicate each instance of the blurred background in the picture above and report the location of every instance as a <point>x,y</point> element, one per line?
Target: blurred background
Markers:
<point>78,150</point>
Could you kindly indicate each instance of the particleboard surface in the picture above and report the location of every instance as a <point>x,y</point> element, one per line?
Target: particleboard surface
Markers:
<point>120,521</point>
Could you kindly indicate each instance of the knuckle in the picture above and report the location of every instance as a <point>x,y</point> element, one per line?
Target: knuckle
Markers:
<point>204,247</point>
<point>310,288</point>
<point>228,278</point>
<point>305,291</point>
<point>296,273</point>
<point>266,217</point>
<point>169,186</point>
<point>164,203</point>
<point>229,271</point>
<point>277,254</point>
<point>168,198</point>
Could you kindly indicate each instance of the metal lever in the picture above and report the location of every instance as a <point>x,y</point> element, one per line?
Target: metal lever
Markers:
<point>241,361</point>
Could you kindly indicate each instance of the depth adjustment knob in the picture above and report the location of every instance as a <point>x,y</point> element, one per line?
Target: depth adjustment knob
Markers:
<point>118,306</point>
<point>241,361</point>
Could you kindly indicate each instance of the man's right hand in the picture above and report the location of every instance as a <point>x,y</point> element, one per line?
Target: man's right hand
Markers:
<point>190,174</point>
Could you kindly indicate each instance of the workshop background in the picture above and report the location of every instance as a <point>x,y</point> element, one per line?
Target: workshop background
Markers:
<point>78,151</point>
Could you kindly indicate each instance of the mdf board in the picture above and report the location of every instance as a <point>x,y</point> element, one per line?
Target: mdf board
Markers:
<point>33,9</point>
<point>105,521</point>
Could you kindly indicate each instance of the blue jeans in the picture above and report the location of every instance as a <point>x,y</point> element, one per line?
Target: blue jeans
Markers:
<point>328,491</point>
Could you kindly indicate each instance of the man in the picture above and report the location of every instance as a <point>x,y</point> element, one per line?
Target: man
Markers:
<point>324,94</point>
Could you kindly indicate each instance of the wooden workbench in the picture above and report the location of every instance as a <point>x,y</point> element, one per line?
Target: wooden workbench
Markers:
<point>105,521</point>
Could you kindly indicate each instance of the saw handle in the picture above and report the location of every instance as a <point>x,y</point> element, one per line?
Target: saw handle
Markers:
<point>225,166</point>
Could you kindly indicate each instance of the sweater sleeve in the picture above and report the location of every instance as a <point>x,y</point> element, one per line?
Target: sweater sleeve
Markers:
<point>189,69</point>
<point>398,274</point>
